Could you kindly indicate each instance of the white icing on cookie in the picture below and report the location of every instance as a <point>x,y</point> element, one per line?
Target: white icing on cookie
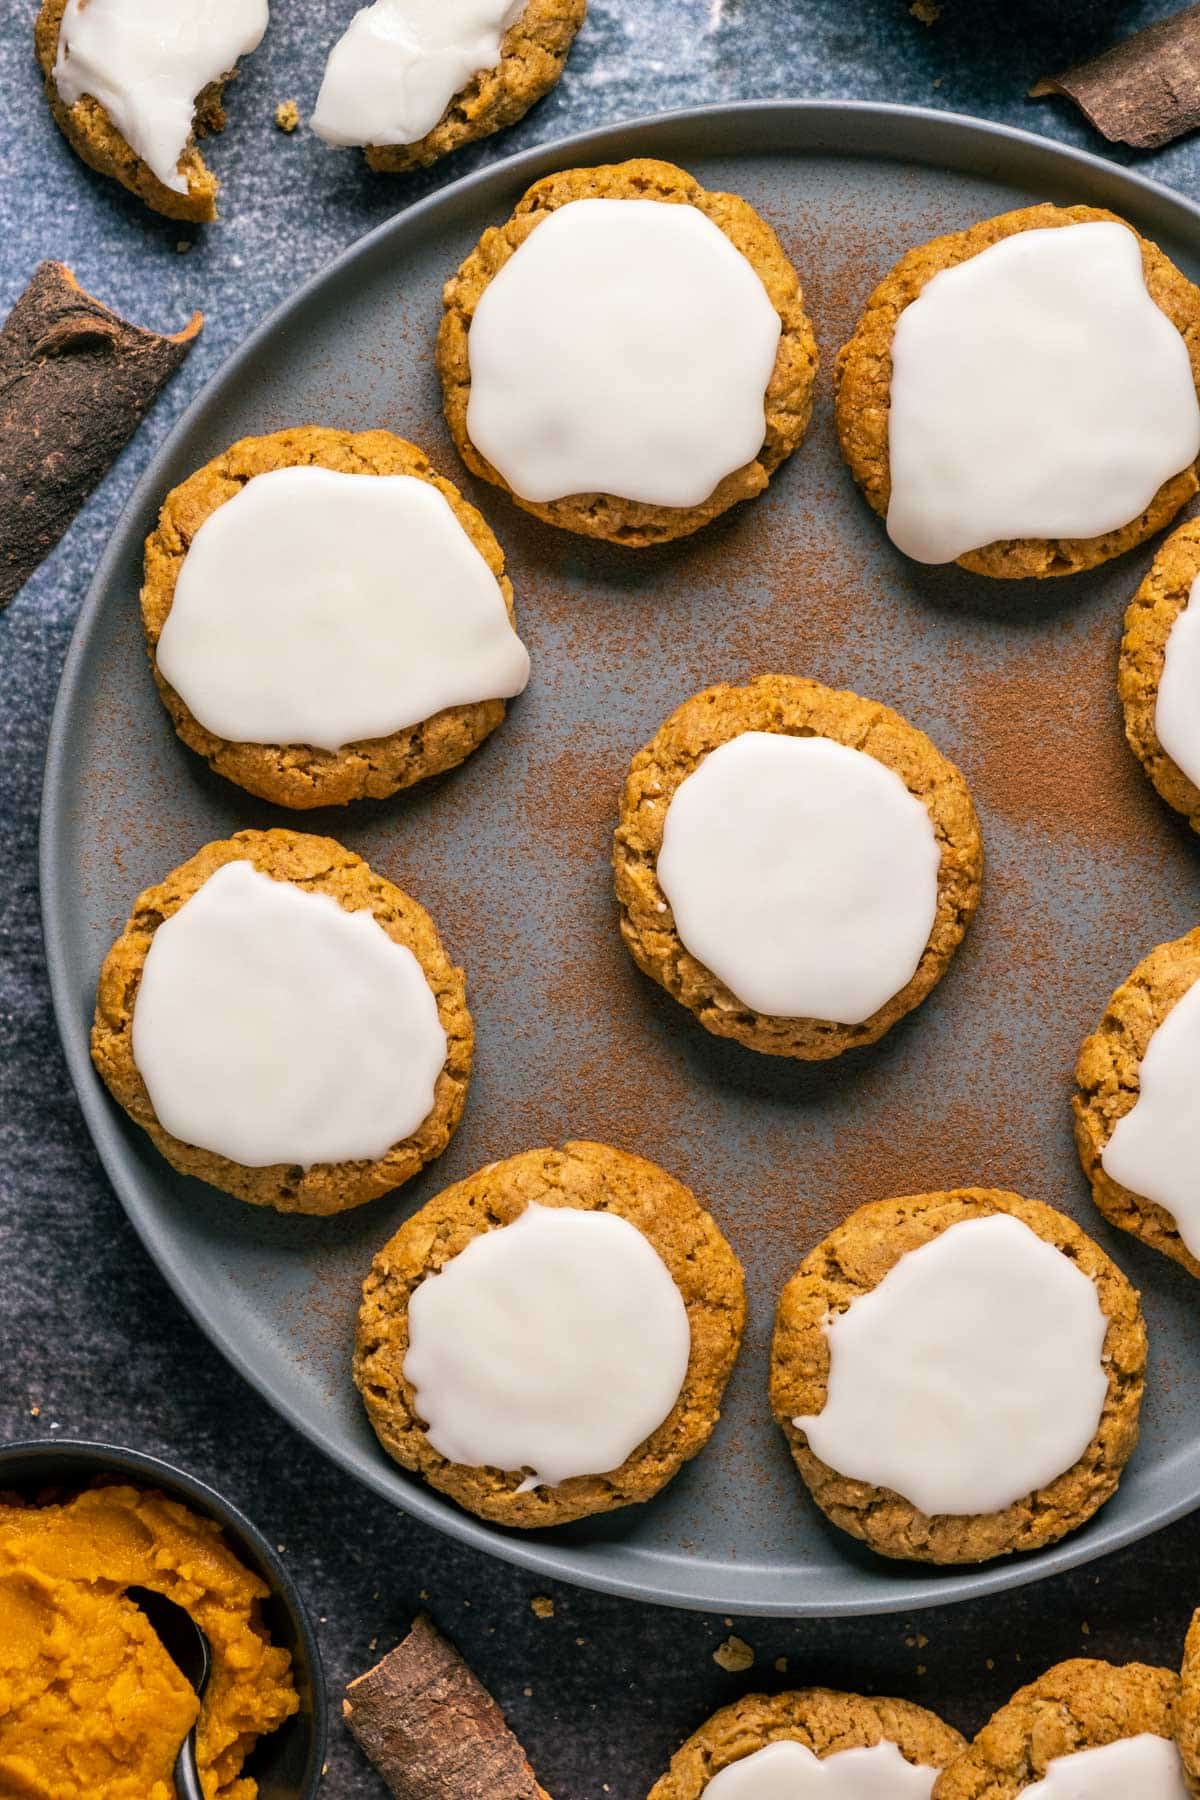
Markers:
<point>1154,1150</point>
<point>786,1770</point>
<point>625,348</point>
<point>556,1344</point>
<point>147,62</point>
<point>971,1376</point>
<point>803,873</point>
<point>273,1026</point>
<point>322,608</point>
<point>1137,1768</point>
<point>395,70</point>
<point>1177,708</point>
<point>1037,392</point>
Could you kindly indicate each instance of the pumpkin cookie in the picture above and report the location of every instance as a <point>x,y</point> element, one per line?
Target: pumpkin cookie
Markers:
<point>1136,1126</point>
<point>1081,1715</point>
<point>1023,1408</point>
<point>285,1024</point>
<point>270,637</point>
<point>551,1337</point>
<point>838,1730</point>
<point>636,411</point>
<point>1123,395</point>
<point>378,83</point>
<point>136,119</point>
<point>1187,1707</point>
<point>1159,675</point>
<point>845,783</point>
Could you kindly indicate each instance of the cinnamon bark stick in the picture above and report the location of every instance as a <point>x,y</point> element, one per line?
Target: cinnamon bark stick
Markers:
<point>74,382</point>
<point>432,1729</point>
<point>1143,92</point>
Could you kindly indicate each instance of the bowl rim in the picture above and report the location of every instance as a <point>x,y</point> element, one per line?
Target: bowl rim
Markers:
<point>120,1459</point>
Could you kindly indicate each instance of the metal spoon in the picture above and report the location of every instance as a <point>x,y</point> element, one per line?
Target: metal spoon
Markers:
<point>188,1649</point>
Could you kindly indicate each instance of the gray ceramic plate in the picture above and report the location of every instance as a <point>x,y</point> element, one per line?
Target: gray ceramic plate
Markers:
<point>510,853</point>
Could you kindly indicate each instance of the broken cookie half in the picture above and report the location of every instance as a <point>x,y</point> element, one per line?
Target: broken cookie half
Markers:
<point>133,86</point>
<point>410,80</point>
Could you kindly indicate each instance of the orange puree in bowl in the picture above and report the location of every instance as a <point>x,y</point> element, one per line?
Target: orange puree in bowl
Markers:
<point>91,1705</point>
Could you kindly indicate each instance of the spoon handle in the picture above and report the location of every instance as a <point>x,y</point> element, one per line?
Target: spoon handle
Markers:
<point>186,1774</point>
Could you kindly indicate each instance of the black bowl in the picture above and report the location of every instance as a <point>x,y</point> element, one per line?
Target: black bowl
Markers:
<point>287,1763</point>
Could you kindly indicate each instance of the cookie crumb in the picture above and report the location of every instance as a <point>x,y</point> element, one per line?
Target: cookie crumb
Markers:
<point>734,1656</point>
<point>287,116</point>
<point>183,245</point>
<point>927,11</point>
<point>541,1606</point>
<point>781,1665</point>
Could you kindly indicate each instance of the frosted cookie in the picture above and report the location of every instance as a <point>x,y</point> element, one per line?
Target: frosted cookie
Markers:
<point>1020,397</point>
<point>1137,1111</point>
<point>285,1024</point>
<point>327,618</point>
<point>1083,1729</point>
<point>725,816</point>
<point>1186,1718</point>
<point>1014,1423</point>
<point>812,1742</point>
<point>1159,676</point>
<point>132,86</point>
<point>551,1338</point>
<point>410,81</point>
<point>627,356</point>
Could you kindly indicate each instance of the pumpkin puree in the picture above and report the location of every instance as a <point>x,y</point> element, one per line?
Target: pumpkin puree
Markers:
<point>91,1705</point>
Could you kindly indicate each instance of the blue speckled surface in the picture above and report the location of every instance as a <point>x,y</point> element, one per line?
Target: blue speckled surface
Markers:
<point>603,1690</point>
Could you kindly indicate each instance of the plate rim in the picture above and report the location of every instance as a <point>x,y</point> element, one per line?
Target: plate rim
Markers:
<point>585,1567</point>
